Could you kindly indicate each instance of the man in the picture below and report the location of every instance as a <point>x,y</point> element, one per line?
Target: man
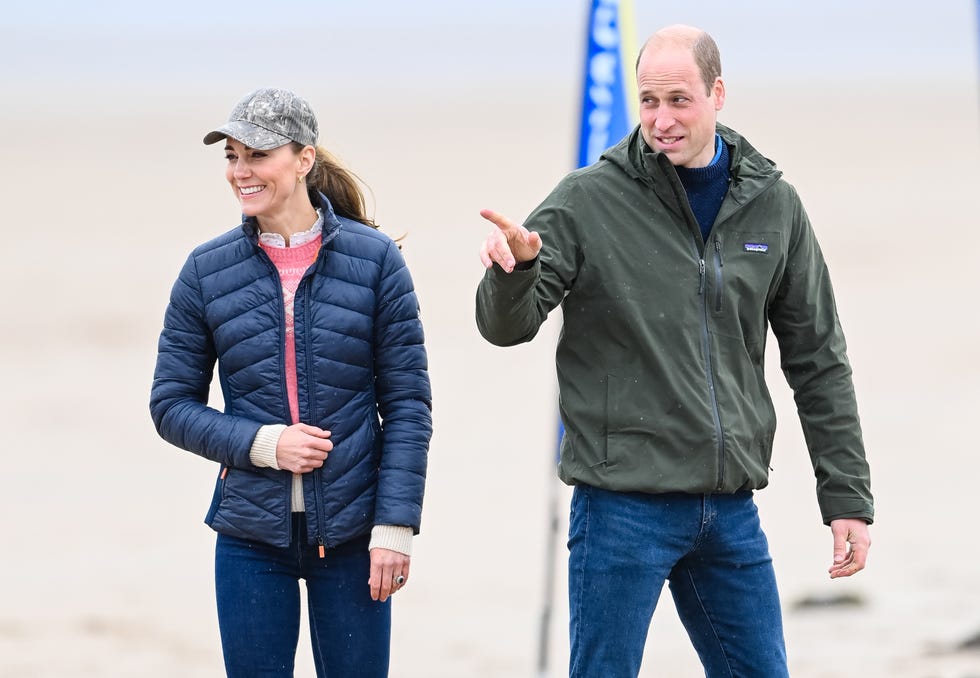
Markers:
<point>671,257</point>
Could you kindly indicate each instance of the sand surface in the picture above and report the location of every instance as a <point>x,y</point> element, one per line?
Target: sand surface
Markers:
<point>107,567</point>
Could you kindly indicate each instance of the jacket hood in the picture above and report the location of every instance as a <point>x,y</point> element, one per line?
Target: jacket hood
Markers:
<point>641,162</point>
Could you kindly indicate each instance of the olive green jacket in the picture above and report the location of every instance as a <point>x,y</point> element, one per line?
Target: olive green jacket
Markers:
<point>661,356</point>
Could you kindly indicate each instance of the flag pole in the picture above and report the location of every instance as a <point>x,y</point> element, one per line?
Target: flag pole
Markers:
<point>550,560</point>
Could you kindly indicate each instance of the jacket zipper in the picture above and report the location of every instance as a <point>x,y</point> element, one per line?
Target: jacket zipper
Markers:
<point>321,546</point>
<point>317,473</point>
<point>706,347</point>
<point>288,482</point>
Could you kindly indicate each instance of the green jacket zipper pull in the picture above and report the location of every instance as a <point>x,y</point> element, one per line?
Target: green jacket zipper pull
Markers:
<point>700,276</point>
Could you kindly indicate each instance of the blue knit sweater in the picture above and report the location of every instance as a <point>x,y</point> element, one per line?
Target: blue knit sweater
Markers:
<point>706,187</point>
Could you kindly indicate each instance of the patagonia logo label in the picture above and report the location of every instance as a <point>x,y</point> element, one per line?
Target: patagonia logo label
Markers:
<point>756,247</point>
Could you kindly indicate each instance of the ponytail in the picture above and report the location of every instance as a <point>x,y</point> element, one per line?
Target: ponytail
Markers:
<point>341,186</point>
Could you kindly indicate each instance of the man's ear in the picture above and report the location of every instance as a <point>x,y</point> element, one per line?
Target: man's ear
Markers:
<point>718,93</point>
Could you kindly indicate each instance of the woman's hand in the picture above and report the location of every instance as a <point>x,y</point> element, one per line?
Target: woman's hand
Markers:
<point>389,572</point>
<point>302,448</point>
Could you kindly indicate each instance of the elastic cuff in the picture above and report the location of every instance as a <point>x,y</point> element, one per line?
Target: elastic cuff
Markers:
<point>392,537</point>
<point>525,265</point>
<point>263,452</point>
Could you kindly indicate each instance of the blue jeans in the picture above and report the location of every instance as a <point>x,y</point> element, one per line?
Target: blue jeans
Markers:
<point>712,551</point>
<point>257,588</point>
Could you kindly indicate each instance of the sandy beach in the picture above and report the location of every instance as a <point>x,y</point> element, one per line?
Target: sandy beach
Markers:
<point>107,567</point>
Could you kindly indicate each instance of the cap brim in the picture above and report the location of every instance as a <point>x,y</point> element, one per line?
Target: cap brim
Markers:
<point>251,135</point>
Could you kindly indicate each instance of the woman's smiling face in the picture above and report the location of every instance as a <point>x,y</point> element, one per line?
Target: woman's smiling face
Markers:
<point>265,182</point>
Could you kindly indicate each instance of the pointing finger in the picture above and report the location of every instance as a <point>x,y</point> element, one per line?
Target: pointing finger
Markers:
<point>498,220</point>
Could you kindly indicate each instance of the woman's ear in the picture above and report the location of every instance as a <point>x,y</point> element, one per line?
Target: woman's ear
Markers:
<point>306,159</point>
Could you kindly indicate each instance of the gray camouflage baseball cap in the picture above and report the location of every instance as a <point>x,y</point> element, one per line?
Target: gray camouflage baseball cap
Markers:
<point>269,118</point>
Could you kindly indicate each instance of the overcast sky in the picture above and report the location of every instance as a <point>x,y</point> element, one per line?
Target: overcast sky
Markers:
<point>139,46</point>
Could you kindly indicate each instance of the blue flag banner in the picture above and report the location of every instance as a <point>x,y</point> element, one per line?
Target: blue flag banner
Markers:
<point>609,88</point>
<point>609,99</point>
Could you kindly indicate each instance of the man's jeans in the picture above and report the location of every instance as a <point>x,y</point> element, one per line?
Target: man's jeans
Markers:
<point>258,596</point>
<point>711,549</point>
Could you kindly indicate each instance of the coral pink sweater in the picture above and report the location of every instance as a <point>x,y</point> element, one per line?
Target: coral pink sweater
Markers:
<point>292,262</point>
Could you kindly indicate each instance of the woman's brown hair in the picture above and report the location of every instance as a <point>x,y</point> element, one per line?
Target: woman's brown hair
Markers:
<point>340,185</point>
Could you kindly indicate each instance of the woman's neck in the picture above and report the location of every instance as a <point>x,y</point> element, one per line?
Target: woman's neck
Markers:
<point>292,220</point>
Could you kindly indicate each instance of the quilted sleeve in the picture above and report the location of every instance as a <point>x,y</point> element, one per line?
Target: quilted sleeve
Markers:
<point>182,378</point>
<point>404,396</point>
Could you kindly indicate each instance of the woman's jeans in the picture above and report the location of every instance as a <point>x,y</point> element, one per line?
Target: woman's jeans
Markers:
<point>712,551</point>
<point>258,596</point>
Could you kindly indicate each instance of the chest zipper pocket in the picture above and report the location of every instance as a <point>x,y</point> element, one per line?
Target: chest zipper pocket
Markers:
<point>719,264</point>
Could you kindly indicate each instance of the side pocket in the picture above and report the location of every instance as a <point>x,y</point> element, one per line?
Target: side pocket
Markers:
<point>219,493</point>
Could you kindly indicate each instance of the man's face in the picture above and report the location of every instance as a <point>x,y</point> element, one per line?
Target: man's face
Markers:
<point>677,113</point>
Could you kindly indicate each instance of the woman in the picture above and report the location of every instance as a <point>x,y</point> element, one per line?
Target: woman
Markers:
<point>311,316</point>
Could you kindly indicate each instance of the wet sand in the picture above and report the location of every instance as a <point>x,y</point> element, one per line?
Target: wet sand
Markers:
<point>108,567</point>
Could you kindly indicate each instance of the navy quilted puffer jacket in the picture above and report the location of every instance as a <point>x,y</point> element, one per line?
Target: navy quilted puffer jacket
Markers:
<point>362,374</point>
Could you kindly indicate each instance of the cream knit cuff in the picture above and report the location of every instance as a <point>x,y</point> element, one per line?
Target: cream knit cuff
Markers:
<point>392,537</point>
<point>263,452</point>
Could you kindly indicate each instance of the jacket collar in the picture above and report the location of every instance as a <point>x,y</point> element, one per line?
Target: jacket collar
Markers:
<point>331,222</point>
<point>751,172</point>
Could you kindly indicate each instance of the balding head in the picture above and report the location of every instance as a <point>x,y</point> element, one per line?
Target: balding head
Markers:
<point>701,45</point>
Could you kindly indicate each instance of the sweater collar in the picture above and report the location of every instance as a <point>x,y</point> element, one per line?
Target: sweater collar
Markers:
<point>296,239</point>
<point>718,170</point>
<point>330,223</point>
